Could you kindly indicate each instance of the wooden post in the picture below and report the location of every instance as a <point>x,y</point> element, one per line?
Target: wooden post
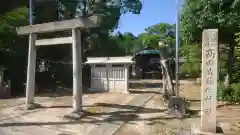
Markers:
<point>77,70</point>
<point>107,76</point>
<point>126,78</point>
<point>209,80</point>
<point>1,76</point>
<point>31,69</point>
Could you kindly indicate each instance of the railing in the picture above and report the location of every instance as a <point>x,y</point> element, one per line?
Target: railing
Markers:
<point>116,73</point>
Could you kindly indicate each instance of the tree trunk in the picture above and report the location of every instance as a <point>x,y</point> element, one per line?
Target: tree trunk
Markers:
<point>167,81</point>
<point>164,83</point>
<point>230,62</point>
<point>226,81</point>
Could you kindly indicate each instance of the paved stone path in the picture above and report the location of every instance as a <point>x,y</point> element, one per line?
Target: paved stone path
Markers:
<point>111,128</point>
<point>16,121</point>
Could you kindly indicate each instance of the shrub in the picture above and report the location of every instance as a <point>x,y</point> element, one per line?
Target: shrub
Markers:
<point>190,69</point>
<point>230,94</point>
<point>236,93</point>
<point>192,66</point>
<point>223,93</point>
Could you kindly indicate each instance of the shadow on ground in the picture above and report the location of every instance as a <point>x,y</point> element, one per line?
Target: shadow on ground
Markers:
<point>144,92</point>
<point>142,85</point>
<point>124,113</point>
<point>193,100</point>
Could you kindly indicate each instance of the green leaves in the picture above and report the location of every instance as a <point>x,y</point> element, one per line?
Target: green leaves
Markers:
<point>192,54</point>
<point>237,60</point>
<point>8,22</point>
<point>162,32</point>
<point>202,14</point>
<point>231,94</point>
<point>224,15</point>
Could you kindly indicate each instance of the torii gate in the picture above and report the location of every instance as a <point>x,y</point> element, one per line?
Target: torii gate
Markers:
<point>75,40</point>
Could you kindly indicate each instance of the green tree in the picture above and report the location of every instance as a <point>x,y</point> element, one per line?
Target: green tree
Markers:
<point>163,32</point>
<point>110,11</point>
<point>13,48</point>
<point>204,14</point>
<point>126,41</point>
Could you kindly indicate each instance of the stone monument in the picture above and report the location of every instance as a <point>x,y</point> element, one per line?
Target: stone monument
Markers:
<point>208,122</point>
<point>209,80</point>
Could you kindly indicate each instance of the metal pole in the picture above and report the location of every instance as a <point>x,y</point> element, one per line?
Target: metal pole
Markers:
<point>177,49</point>
<point>30,13</point>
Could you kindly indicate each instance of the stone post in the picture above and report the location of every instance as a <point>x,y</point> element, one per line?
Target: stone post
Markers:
<point>209,80</point>
<point>77,70</point>
<point>31,70</point>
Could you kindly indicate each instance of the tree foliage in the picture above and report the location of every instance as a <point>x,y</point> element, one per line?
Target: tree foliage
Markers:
<point>13,48</point>
<point>237,60</point>
<point>162,32</point>
<point>223,15</point>
<point>217,14</point>
<point>192,55</point>
<point>197,15</point>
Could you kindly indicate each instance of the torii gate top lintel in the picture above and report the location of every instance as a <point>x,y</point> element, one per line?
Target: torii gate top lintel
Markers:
<point>89,22</point>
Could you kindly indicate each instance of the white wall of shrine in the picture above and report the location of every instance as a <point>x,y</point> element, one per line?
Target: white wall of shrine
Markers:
<point>110,73</point>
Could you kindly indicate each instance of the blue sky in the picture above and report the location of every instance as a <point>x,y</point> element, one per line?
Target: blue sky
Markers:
<point>153,12</point>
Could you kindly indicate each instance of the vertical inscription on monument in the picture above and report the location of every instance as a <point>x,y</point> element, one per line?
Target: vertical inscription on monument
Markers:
<point>209,79</point>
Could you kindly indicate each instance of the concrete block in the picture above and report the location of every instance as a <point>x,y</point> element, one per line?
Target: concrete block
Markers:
<point>177,104</point>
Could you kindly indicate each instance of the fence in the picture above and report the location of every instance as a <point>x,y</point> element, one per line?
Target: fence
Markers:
<point>109,78</point>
